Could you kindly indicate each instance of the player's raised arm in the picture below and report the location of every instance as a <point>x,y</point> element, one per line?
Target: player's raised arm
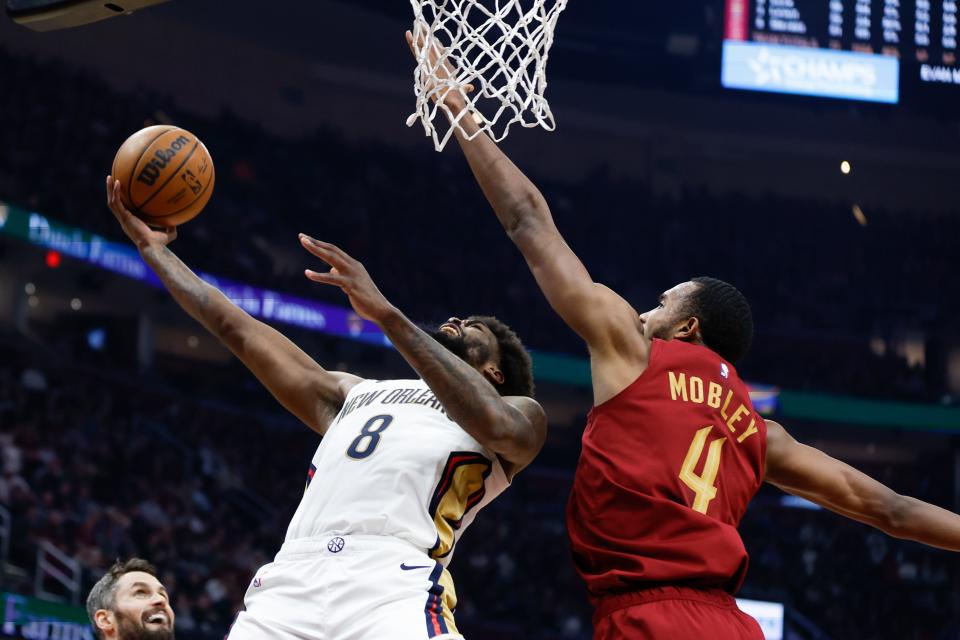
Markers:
<point>601,317</point>
<point>810,473</point>
<point>512,427</point>
<point>302,386</point>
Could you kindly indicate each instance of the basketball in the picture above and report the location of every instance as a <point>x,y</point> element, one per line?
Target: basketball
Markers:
<point>166,175</point>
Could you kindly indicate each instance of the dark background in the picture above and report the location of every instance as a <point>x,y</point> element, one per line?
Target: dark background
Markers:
<point>163,446</point>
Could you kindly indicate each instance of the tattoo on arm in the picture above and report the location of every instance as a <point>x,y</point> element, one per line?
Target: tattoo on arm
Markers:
<point>513,196</point>
<point>467,396</point>
<point>203,302</point>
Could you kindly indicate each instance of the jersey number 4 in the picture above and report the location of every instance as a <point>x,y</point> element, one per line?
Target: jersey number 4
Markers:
<point>366,443</point>
<point>702,484</point>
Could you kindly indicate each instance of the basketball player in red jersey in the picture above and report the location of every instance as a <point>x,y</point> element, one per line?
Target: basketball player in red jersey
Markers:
<point>673,449</point>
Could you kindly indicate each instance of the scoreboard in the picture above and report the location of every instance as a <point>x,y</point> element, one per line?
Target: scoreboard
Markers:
<point>873,50</point>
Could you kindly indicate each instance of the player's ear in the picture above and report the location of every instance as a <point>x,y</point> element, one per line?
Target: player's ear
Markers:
<point>104,621</point>
<point>688,330</point>
<point>493,373</point>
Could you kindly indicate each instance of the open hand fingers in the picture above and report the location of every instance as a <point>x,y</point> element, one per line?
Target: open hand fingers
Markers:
<point>416,43</point>
<point>439,63</point>
<point>329,253</point>
<point>317,248</point>
<point>344,269</point>
<point>114,199</point>
<point>110,188</point>
<point>331,277</point>
<point>435,53</point>
<point>410,44</point>
<point>118,198</point>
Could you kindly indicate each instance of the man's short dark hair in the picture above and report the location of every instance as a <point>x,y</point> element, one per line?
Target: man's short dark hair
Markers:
<point>104,593</point>
<point>726,322</point>
<point>515,362</point>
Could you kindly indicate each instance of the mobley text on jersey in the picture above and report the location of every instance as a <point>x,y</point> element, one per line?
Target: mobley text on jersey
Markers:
<point>694,390</point>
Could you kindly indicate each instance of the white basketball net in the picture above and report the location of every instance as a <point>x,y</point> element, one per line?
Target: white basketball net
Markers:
<point>499,47</point>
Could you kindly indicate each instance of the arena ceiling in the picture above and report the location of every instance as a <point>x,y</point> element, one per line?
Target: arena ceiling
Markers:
<point>634,89</point>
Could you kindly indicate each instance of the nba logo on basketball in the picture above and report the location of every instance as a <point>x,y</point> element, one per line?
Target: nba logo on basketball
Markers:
<point>724,370</point>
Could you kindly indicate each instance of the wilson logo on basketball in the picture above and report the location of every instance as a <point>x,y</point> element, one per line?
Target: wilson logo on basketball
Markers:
<point>150,172</point>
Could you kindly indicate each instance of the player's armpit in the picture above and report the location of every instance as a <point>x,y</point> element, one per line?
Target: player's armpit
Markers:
<point>303,387</point>
<point>607,323</point>
<point>523,433</point>
<point>810,473</point>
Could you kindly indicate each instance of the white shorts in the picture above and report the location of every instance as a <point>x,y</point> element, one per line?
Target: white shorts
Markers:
<point>349,588</point>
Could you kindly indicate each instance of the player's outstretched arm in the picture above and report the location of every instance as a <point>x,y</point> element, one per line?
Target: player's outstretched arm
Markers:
<point>512,427</point>
<point>810,473</point>
<point>602,318</point>
<point>301,385</point>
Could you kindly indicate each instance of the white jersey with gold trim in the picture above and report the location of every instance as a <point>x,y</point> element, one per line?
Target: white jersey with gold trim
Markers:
<point>393,463</point>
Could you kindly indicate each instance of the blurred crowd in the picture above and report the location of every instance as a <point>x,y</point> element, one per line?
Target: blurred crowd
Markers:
<point>848,580</point>
<point>838,307</point>
<point>104,471</point>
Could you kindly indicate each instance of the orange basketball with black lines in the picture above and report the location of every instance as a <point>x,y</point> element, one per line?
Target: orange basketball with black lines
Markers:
<point>166,175</point>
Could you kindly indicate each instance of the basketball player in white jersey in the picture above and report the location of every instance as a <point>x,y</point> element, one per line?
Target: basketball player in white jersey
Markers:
<point>404,465</point>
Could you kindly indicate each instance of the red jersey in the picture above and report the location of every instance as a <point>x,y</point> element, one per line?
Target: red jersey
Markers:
<point>667,469</point>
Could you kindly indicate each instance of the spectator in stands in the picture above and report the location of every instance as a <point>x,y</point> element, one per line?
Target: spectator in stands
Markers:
<point>130,603</point>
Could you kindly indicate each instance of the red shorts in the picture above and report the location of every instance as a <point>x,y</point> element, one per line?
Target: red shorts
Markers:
<point>673,613</point>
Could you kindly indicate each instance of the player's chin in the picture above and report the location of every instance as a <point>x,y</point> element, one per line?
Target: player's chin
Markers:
<point>157,632</point>
<point>454,342</point>
<point>445,337</point>
<point>161,629</point>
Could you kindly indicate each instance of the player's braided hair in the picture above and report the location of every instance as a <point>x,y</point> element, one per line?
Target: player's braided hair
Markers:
<point>515,362</point>
<point>104,593</point>
<point>726,322</point>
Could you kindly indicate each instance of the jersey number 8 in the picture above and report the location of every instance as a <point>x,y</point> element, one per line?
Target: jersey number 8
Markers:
<point>366,443</point>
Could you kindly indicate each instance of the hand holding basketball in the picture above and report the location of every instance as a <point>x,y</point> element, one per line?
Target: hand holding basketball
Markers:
<point>136,229</point>
<point>352,278</point>
<point>166,175</point>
